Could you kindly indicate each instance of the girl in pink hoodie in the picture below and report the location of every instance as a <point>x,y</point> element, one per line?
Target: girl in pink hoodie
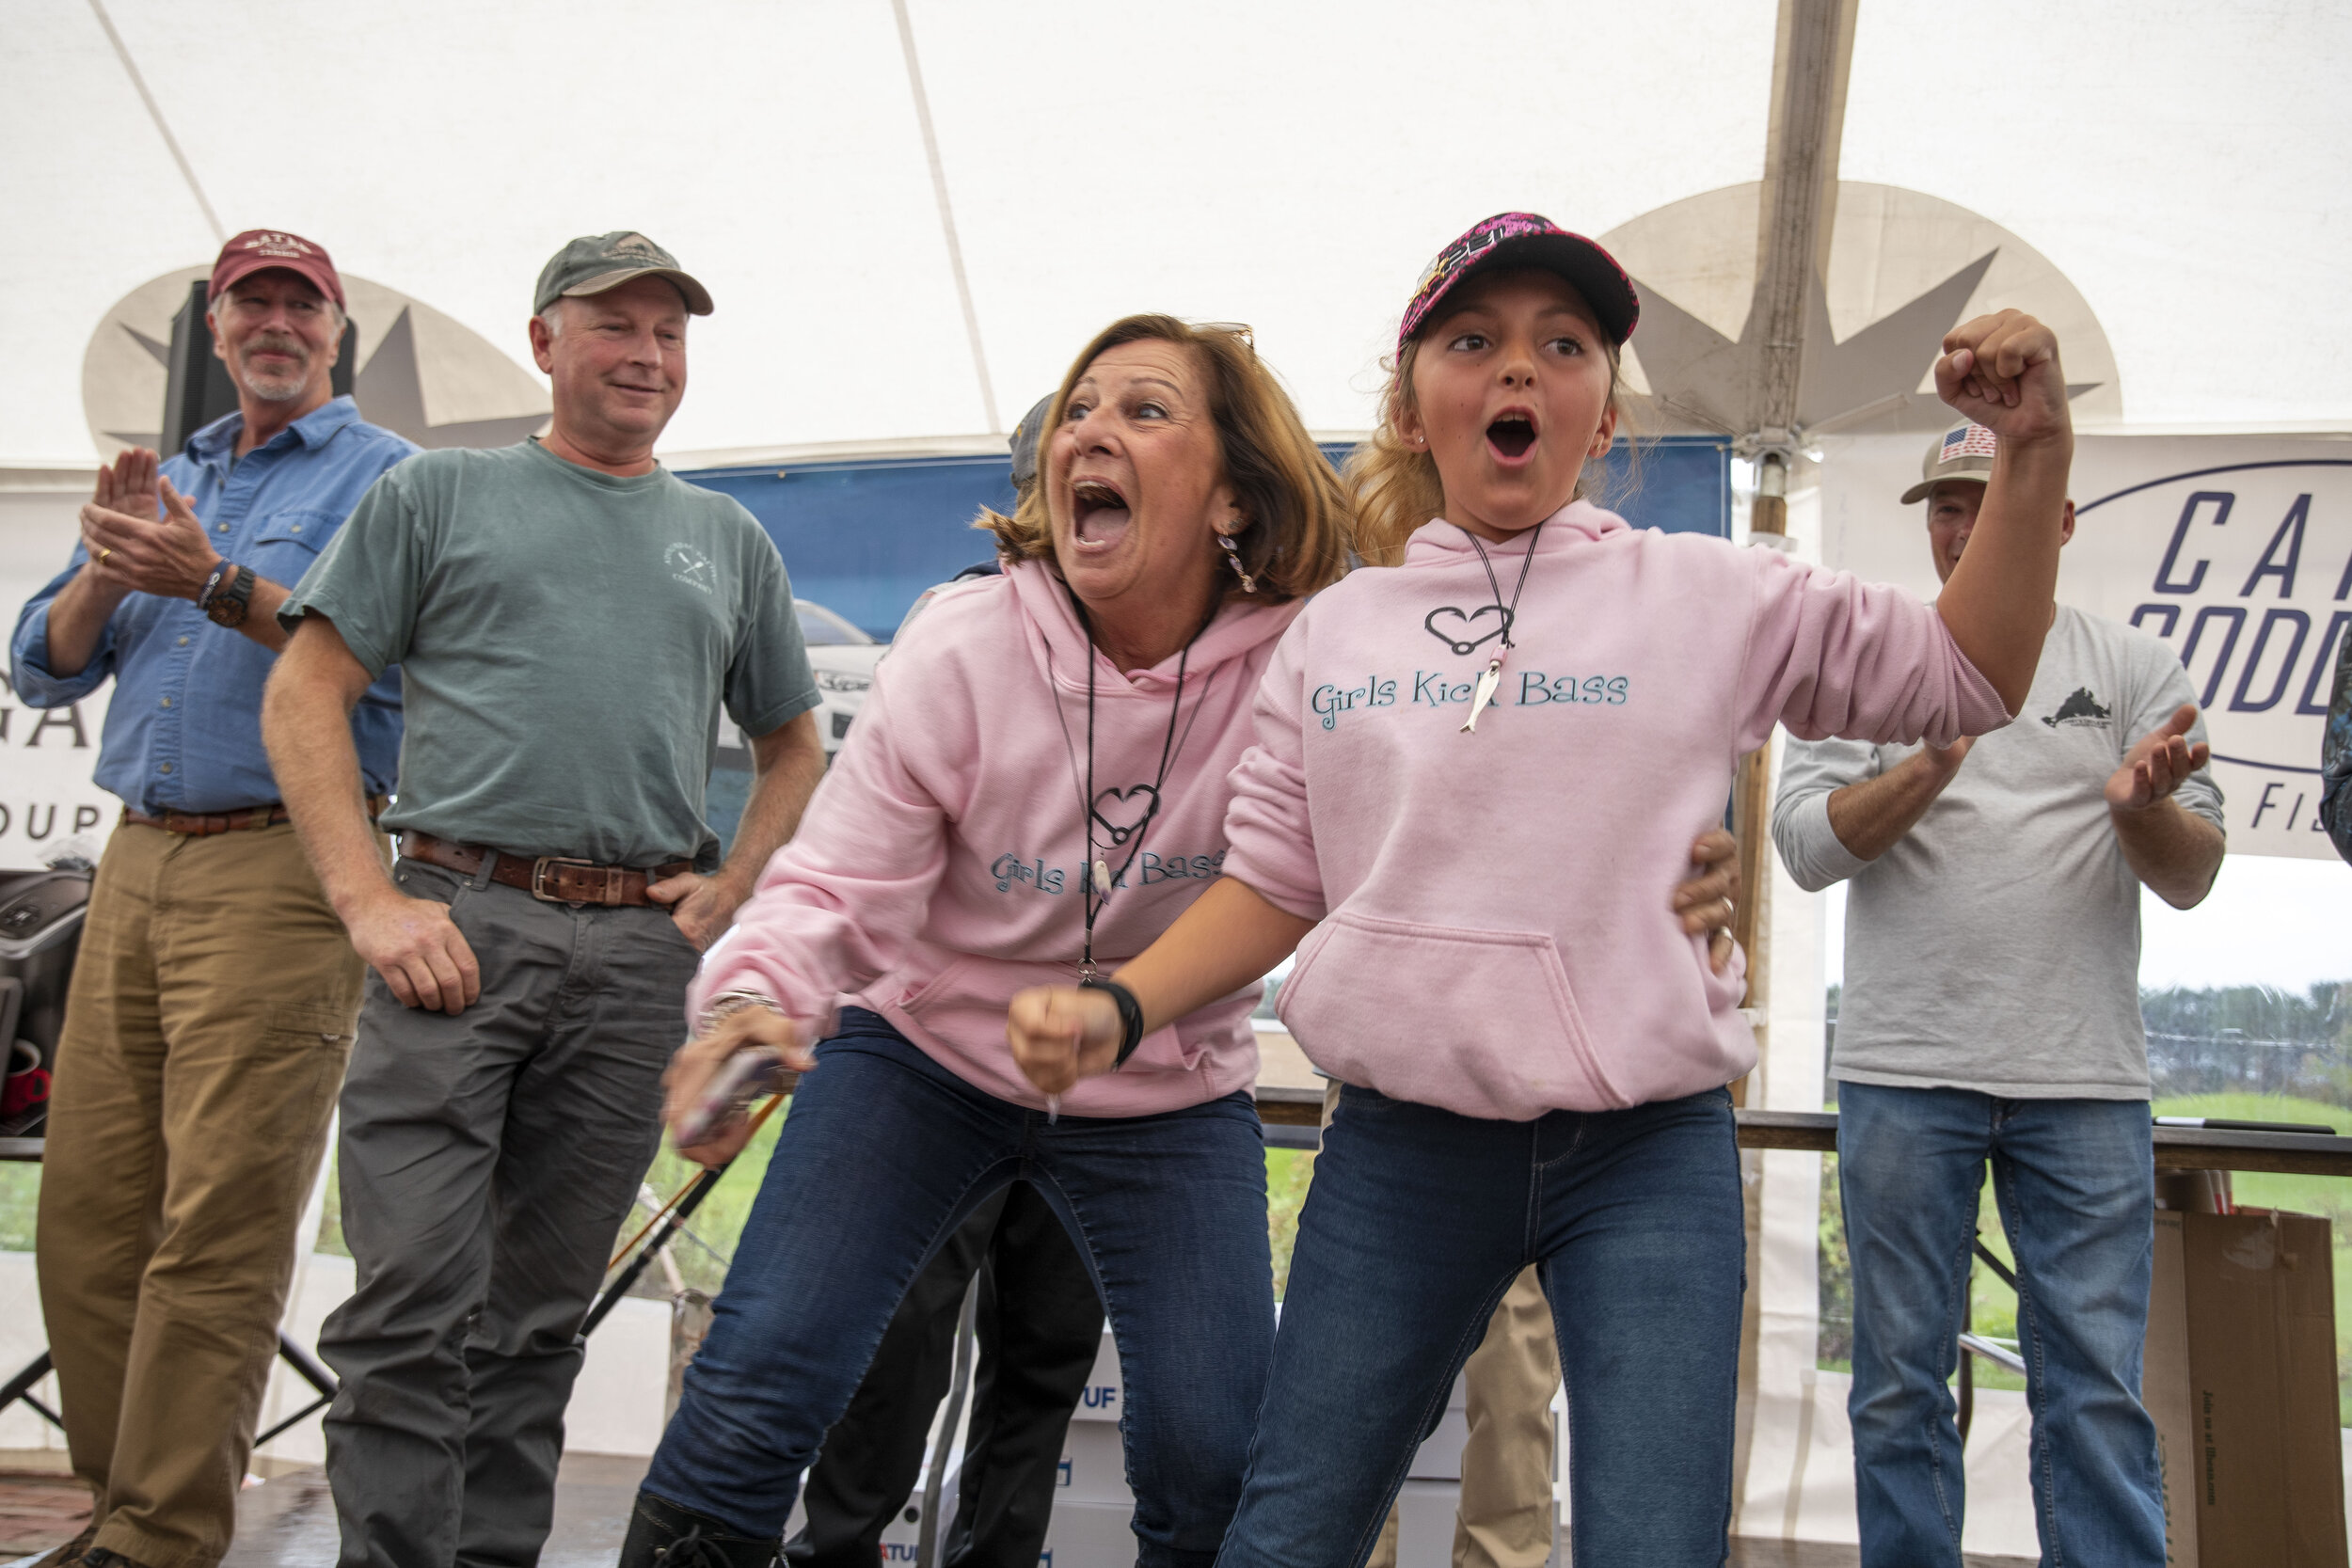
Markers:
<point>1472,779</point>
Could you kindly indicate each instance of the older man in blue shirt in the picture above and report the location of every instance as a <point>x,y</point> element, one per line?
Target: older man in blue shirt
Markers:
<point>213,1004</point>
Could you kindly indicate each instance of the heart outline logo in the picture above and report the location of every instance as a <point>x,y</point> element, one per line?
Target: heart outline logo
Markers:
<point>1469,620</point>
<point>1123,803</point>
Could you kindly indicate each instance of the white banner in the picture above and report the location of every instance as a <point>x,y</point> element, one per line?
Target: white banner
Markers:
<point>47,756</point>
<point>2235,551</point>
<point>46,793</point>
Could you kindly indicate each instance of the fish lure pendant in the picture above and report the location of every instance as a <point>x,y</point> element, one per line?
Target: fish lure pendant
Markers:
<point>1488,679</point>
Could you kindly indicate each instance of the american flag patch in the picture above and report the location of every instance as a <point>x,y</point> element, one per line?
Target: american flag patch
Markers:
<point>1969,440</point>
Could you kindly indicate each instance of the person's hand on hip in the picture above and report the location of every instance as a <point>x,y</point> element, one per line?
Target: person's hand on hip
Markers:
<point>704,907</point>
<point>1710,897</point>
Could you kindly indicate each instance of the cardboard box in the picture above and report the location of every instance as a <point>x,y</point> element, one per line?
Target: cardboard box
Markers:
<point>1089,1535</point>
<point>1103,1399</point>
<point>1093,1466</point>
<point>2247,1420</point>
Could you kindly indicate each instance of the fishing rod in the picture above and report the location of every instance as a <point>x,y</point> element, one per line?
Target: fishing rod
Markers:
<point>664,1226</point>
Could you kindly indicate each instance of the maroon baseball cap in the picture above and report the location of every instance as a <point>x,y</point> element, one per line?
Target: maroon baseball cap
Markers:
<point>259,248</point>
<point>1529,240</point>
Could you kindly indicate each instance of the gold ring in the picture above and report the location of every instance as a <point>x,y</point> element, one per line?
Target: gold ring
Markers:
<point>104,551</point>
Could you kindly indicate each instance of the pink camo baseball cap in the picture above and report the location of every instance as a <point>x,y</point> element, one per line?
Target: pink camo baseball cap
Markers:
<point>1529,240</point>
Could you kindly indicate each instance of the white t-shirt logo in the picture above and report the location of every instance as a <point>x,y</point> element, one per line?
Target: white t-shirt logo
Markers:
<point>688,565</point>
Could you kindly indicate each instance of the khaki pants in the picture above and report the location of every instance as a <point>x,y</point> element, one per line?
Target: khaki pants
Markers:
<point>205,1034</point>
<point>1505,1518</point>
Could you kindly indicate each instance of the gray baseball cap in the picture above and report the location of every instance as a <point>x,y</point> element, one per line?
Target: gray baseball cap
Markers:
<point>1963,453</point>
<point>591,264</point>
<point>1024,442</point>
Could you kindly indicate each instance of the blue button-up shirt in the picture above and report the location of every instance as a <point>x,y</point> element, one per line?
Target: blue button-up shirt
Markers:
<point>184,732</point>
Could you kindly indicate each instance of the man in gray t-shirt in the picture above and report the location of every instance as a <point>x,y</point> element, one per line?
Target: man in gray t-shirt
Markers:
<point>1991,1013</point>
<point>569,617</point>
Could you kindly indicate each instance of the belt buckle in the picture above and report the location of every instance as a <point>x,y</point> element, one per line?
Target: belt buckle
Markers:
<point>539,878</point>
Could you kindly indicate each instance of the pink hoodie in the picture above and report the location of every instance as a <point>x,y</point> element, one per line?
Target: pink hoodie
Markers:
<point>1495,934</point>
<point>938,869</point>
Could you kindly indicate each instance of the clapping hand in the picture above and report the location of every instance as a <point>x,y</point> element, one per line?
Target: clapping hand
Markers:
<point>133,551</point>
<point>2154,766</point>
<point>129,484</point>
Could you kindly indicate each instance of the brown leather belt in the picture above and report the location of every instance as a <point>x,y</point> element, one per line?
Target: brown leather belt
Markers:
<point>200,824</point>
<point>197,824</point>
<point>549,879</point>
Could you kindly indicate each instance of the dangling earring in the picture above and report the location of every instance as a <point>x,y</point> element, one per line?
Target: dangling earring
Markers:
<point>1233,558</point>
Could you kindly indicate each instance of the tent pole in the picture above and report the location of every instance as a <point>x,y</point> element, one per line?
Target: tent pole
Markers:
<point>1812,57</point>
<point>947,214</point>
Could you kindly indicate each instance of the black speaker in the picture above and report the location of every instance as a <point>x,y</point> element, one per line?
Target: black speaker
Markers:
<point>40,932</point>
<point>198,389</point>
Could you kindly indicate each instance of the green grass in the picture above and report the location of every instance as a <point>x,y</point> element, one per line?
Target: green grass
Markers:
<point>1287,1172</point>
<point>20,1195</point>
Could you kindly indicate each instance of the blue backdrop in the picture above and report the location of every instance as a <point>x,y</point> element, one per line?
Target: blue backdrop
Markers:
<point>865,537</point>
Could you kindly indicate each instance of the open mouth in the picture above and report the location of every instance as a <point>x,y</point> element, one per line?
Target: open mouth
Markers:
<point>1098,510</point>
<point>1512,436</point>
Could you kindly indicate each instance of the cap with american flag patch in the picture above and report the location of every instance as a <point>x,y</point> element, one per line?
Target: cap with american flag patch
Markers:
<point>1962,452</point>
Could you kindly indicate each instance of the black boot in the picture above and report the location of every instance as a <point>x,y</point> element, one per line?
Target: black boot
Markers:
<point>663,1535</point>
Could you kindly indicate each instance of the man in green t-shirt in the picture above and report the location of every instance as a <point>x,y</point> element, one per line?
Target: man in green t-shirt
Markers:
<point>568,617</point>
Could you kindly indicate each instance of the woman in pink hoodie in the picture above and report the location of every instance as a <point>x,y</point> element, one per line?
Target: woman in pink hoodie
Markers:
<point>1473,778</point>
<point>1037,782</point>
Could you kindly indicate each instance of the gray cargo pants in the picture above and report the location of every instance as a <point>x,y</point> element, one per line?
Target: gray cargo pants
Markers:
<point>488,1161</point>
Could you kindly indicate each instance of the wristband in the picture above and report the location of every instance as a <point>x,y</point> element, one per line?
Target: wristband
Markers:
<point>1130,1015</point>
<point>227,595</point>
<point>729,1003</point>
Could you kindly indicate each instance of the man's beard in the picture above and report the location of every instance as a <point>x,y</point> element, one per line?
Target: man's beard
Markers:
<point>274,389</point>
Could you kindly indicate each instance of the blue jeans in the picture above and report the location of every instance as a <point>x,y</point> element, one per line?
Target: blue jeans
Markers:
<point>1417,1220</point>
<point>2076,1186</point>
<point>884,1154</point>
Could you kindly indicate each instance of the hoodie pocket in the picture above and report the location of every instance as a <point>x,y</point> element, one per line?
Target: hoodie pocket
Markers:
<point>1479,1023</point>
<point>918,998</point>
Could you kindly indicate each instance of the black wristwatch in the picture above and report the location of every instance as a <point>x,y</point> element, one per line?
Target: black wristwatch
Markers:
<point>1130,1015</point>
<point>227,595</point>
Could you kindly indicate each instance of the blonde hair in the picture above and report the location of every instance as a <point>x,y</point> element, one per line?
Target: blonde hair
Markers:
<point>1294,536</point>
<point>1395,487</point>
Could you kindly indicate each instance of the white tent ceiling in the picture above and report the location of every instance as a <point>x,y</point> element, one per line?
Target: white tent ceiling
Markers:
<point>2187,167</point>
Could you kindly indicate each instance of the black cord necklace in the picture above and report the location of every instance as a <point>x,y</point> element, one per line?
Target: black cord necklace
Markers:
<point>1491,677</point>
<point>1096,879</point>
